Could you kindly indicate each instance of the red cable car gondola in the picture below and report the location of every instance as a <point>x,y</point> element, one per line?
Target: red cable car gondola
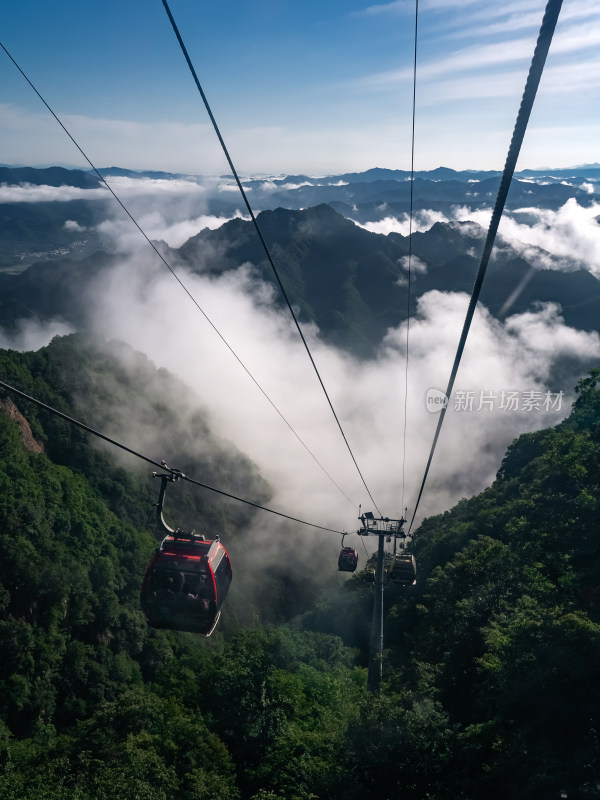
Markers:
<point>186,581</point>
<point>348,560</point>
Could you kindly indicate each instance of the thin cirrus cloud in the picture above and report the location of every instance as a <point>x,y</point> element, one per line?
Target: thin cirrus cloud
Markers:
<point>519,22</point>
<point>407,6</point>
<point>519,16</point>
<point>560,79</point>
<point>471,58</point>
<point>501,17</point>
<point>569,39</point>
<point>492,18</point>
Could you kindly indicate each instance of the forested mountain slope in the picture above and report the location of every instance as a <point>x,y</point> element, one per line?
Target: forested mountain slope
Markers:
<point>493,663</point>
<point>93,703</point>
<point>492,660</point>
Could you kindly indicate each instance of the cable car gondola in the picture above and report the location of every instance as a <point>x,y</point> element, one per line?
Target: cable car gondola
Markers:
<point>186,581</point>
<point>404,569</point>
<point>369,576</point>
<point>348,560</point>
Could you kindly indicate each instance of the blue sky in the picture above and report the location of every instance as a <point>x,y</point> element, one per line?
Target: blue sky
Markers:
<point>297,87</point>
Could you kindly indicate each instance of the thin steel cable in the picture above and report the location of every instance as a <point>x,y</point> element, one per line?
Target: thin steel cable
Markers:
<point>362,538</point>
<point>410,224</point>
<point>159,464</point>
<point>174,274</point>
<point>533,79</point>
<point>261,238</point>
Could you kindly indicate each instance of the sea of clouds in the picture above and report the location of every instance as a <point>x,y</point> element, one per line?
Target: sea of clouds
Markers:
<point>140,303</point>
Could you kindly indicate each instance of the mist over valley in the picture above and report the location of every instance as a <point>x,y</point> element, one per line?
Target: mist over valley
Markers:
<point>73,261</point>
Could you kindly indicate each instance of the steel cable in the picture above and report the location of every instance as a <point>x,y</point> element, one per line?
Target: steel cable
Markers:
<point>536,69</point>
<point>160,464</point>
<point>174,274</point>
<point>261,238</point>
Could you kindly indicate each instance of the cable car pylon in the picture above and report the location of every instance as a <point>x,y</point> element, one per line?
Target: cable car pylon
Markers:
<point>403,571</point>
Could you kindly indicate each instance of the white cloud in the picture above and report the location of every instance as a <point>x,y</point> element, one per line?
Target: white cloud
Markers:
<point>519,355</point>
<point>231,186</point>
<point>408,6</point>
<point>480,84</point>
<point>32,334</point>
<point>540,333</point>
<point>30,193</point>
<point>72,225</point>
<point>446,5</point>
<point>271,186</point>
<point>384,8</point>
<point>157,228</point>
<point>414,263</point>
<point>565,239</point>
<point>470,58</point>
<point>385,226</point>
<point>170,210</point>
<point>126,188</point>
<point>422,221</point>
<point>139,302</point>
<point>520,15</point>
<point>498,68</point>
<point>571,234</point>
<point>513,22</point>
<point>576,38</point>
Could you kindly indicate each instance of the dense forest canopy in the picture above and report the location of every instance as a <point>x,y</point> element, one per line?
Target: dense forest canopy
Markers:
<point>492,660</point>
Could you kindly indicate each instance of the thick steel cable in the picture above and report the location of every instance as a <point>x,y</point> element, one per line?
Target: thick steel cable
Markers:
<point>261,238</point>
<point>531,86</point>
<point>177,278</point>
<point>159,464</point>
<point>410,224</point>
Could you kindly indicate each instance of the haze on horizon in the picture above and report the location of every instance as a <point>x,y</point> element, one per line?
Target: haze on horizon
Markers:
<point>314,89</point>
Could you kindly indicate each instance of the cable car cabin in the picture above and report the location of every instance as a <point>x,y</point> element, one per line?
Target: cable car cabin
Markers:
<point>186,583</point>
<point>404,569</point>
<point>348,560</point>
<point>369,575</point>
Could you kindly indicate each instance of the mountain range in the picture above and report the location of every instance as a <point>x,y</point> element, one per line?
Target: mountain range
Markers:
<point>348,280</point>
<point>49,229</point>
